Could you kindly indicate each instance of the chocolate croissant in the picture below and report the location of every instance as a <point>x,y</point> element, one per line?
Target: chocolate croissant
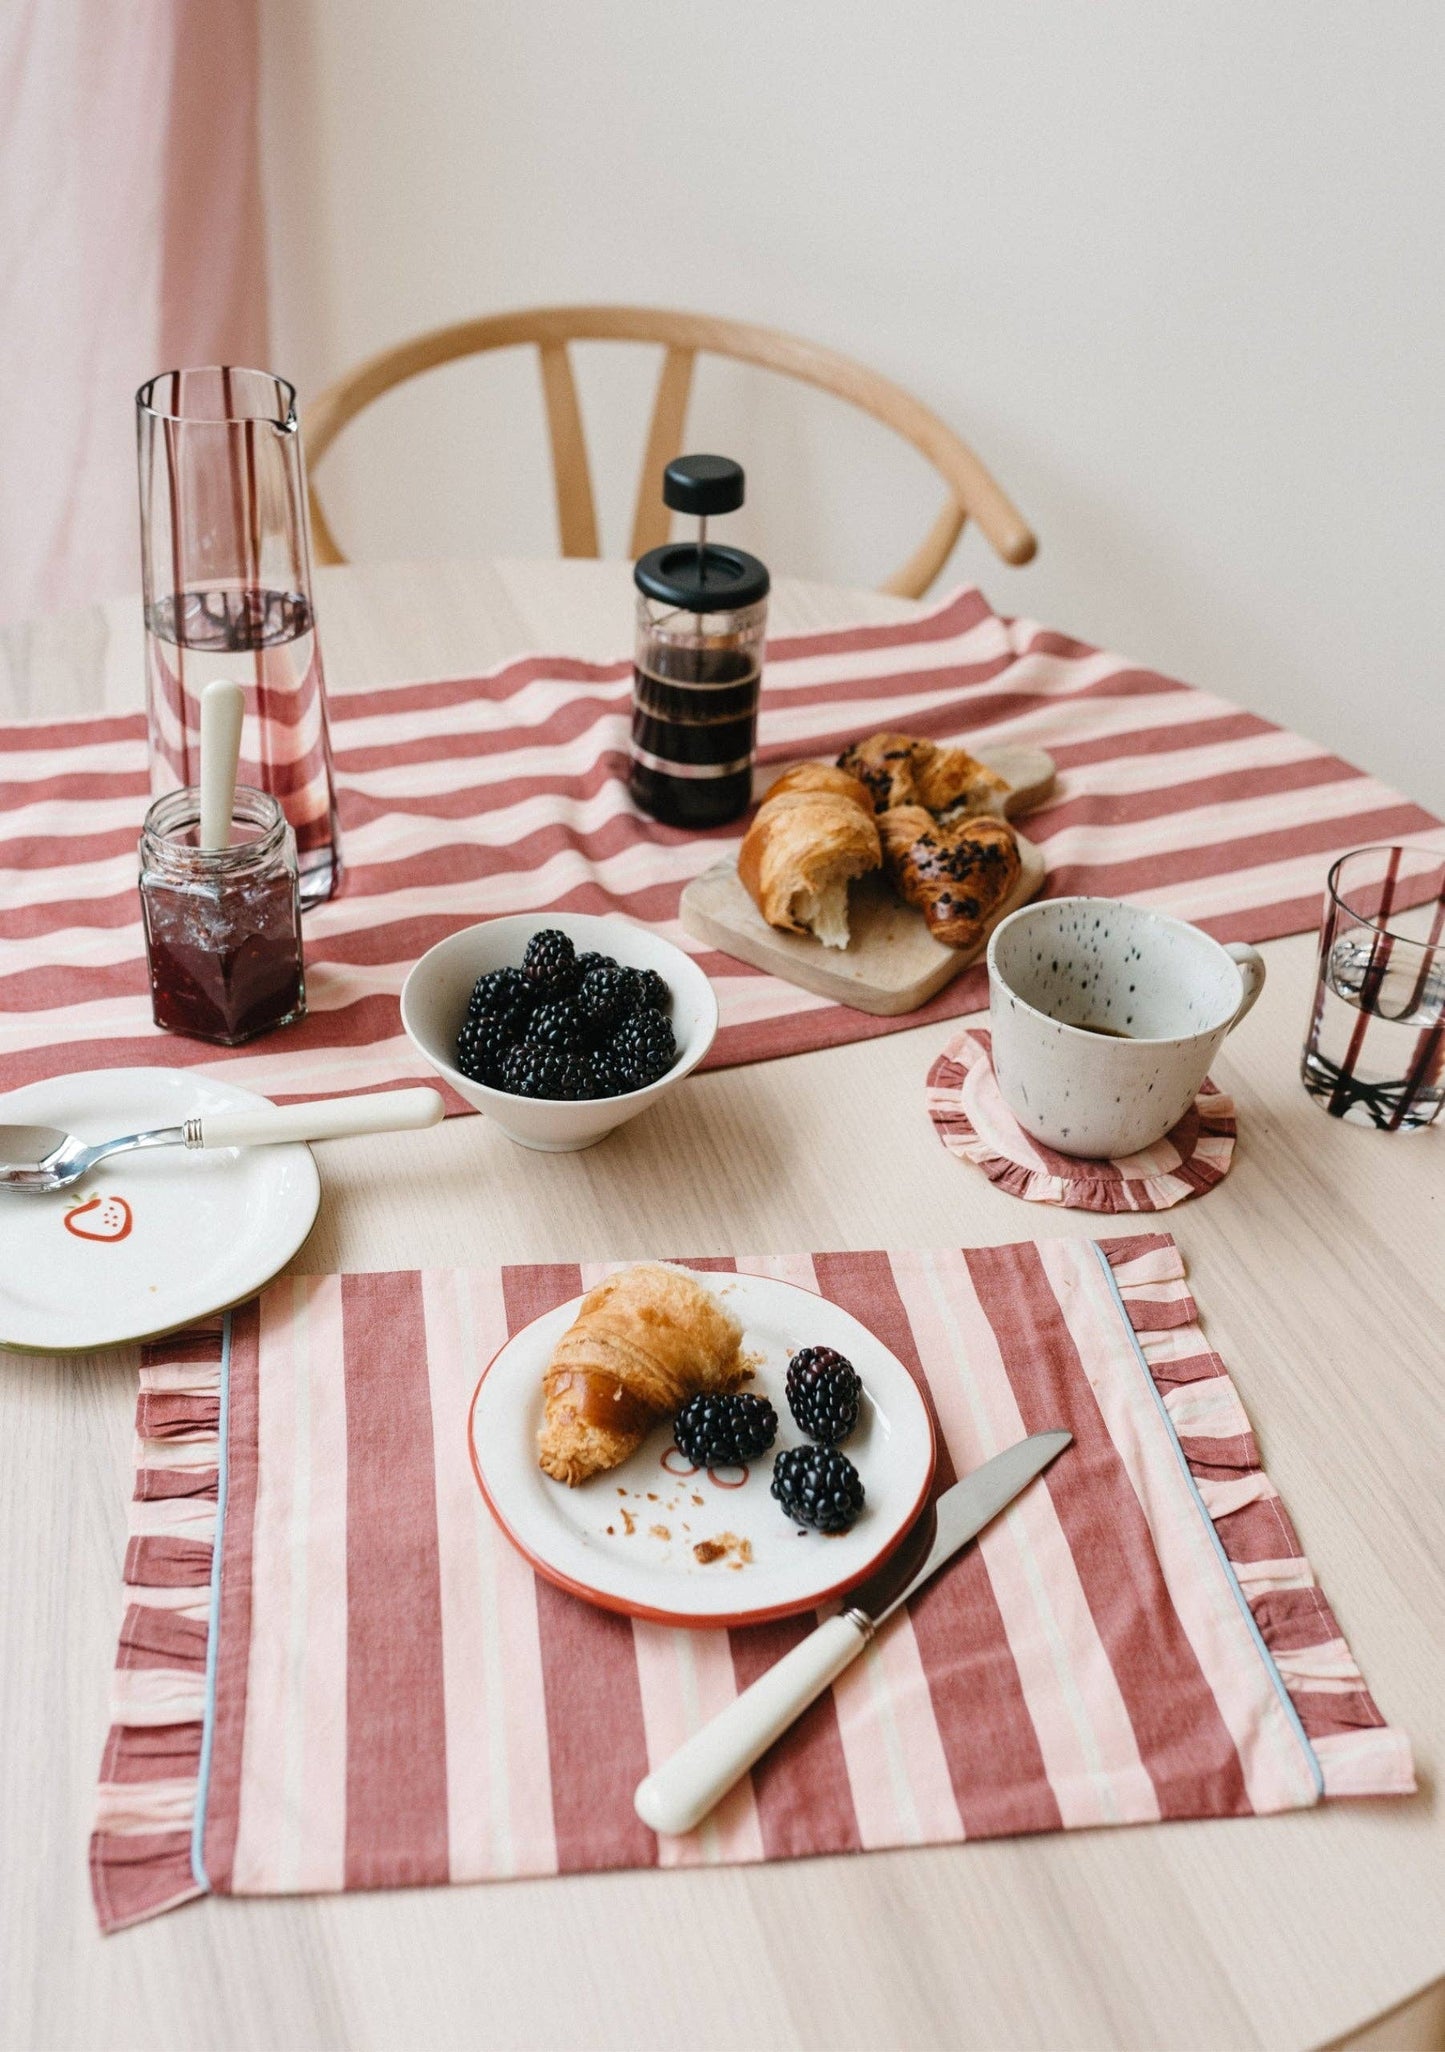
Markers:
<point>814,833</point>
<point>900,769</point>
<point>642,1343</point>
<point>957,876</point>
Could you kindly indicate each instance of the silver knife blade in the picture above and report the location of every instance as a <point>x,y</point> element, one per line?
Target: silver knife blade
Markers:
<point>958,1516</point>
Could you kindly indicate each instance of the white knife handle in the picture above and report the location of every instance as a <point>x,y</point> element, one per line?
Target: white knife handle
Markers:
<point>701,1772</point>
<point>333,1118</point>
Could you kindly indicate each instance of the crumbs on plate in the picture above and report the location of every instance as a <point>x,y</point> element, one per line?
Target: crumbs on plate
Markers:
<point>632,1525</point>
<point>727,1546</point>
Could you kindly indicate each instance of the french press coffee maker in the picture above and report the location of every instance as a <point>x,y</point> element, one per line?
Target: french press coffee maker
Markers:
<point>701,615</point>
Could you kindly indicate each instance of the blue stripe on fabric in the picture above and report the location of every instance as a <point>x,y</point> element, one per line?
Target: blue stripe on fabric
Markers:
<point>213,1637</point>
<point>1224,1560</point>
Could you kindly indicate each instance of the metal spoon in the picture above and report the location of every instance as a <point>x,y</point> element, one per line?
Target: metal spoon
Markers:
<point>41,1158</point>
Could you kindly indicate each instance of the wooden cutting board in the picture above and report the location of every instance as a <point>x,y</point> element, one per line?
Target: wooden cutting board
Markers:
<point>892,963</point>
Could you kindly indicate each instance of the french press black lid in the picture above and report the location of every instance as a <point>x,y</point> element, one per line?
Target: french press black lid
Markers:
<point>702,576</point>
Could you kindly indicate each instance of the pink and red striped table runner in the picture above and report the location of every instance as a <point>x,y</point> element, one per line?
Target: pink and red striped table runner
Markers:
<point>334,1672</point>
<point>470,797</point>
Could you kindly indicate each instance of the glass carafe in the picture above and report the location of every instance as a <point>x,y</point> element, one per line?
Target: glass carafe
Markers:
<point>226,575</point>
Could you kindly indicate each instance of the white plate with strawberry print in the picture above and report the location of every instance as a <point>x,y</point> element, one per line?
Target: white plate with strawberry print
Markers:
<point>658,1539</point>
<point>146,1242</point>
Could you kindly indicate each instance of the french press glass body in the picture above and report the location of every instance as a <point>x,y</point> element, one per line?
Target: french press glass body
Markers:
<point>701,616</point>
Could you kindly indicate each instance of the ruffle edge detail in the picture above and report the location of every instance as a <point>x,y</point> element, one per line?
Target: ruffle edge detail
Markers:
<point>140,1846</point>
<point>1359,1754</point>
<point>1078,1190</point>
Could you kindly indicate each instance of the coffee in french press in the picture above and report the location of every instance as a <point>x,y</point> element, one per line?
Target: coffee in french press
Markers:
<point>701,616</point>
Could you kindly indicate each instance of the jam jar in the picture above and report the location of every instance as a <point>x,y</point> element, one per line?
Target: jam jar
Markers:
<point>222,925</point>
<point>701,616</point>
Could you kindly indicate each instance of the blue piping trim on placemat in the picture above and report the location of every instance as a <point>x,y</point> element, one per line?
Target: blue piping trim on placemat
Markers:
<point>213,1636</point>
<point>1228,1565</point>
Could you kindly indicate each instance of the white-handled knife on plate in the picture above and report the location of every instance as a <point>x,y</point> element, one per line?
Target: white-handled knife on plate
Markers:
<point>700,1773</point>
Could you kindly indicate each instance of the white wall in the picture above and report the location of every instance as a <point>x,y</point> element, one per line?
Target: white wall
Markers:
<point>1175,270</point>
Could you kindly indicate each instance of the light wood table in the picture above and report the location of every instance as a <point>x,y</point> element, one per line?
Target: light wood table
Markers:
<point>1321,1279</point>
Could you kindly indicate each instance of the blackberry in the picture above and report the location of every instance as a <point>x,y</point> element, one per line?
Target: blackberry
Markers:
<point>532,1071</point>
<point>592,960</point>
<point>644,991</point>
<point>602,996</point>
<point>550,963</point>
<point>818,1486</point>
<point>557,1023</point>
<point>485,1039</point>
<point>642,1049</point>
<point>725,1431</point>
<point>500,990</point>
<point>579,1074</point>
<point>652,991</point>
<point>598,1076</point>
<point>629,998</point>
<point>823,1394</point>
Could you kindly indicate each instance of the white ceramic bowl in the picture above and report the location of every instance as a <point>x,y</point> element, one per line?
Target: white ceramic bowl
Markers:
<point>434,1003</point>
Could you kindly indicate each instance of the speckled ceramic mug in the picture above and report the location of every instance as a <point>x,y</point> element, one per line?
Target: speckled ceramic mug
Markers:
<point>1105,1018</point>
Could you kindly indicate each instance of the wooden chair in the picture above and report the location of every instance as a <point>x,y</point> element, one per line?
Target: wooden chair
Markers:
<point>972,492</point>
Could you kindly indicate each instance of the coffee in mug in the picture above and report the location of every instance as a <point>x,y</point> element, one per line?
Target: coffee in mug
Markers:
<point>1105,1018</point>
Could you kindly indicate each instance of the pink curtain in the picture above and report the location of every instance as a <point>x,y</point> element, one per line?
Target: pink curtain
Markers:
<point>130,242</point>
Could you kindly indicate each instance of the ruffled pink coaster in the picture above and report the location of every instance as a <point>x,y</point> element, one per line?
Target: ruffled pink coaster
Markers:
<point>971,1119</point>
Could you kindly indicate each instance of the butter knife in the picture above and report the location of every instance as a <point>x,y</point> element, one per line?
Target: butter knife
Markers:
<point>697,1777</point>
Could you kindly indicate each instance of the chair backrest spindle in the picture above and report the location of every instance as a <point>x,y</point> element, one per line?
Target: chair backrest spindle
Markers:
<point>576,513</point>
<point>913,578</point>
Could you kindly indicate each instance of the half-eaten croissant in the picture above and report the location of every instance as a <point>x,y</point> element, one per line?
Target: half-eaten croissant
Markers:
<point>642,1343</point>
<point>814,833</point>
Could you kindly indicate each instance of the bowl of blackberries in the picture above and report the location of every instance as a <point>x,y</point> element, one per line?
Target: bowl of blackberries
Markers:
<point>560,1028</point>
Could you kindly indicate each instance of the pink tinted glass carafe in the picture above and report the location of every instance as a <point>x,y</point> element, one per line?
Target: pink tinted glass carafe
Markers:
<point>226,571</point>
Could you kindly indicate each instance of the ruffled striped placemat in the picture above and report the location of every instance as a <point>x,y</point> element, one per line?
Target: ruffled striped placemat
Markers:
<point>476,796</point>
<point>334,1672</point>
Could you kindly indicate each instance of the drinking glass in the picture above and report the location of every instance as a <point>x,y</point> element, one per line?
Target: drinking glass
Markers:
<point>1375,1052</point>
<point>226,575</point>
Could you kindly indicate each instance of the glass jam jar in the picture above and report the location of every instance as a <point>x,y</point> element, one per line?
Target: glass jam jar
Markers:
<point>701,617</point>
<point>222,925</point>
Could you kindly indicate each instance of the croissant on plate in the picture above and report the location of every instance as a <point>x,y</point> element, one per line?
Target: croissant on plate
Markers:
<point>642,1343</point>
<point>814,832</point>
<point>901,769</point>
<point>957,876</point>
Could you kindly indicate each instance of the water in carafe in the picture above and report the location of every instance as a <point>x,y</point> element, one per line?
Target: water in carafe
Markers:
<point>227,593</point>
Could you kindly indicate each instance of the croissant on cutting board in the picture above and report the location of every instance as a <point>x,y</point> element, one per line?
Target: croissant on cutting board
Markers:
<point>642,1343</point>
<point>957,876</point>
<point>814,832</point>
<point>901,769</point>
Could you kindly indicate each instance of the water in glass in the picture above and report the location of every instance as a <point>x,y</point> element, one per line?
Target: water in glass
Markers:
<point>1375,1053</point>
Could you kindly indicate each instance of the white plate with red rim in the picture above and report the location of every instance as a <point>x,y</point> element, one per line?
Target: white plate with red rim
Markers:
<point>657,1539</point>
<point>146,1242</point>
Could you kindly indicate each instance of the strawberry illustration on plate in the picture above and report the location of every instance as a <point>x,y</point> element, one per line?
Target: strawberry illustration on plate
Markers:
<point>104,1218</point>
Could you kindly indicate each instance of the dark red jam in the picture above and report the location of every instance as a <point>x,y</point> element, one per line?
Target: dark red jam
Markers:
<point>223,930</point>
<point>224,978</point>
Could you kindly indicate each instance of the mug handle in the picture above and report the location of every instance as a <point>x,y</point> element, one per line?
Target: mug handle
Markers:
<point>1250,964</point>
